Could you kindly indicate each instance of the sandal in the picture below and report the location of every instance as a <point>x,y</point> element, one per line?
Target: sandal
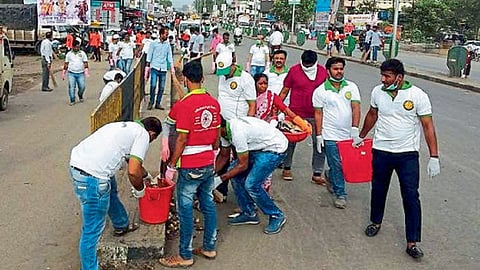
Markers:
<point>122,231</point>
<point>210,255</point>
<point>372,229</point>
<point>176,262</point>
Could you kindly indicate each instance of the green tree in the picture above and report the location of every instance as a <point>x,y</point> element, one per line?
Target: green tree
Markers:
<point>303,12</point>
<point>165,3</point>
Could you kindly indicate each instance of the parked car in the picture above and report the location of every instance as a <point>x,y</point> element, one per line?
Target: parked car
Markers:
<point>474,44</point>
<point>6,71</point>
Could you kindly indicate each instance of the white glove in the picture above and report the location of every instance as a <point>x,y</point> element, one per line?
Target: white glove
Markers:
<point>433,168</point>
<point>355,134</point>
<point>319,143</point>
<point>216,181</point>
<point>273,123</point>
<point>170,173</point>
<point>149,177</point>
<point>138,193</point>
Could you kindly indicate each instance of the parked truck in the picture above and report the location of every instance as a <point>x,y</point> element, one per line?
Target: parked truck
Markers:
<point>20,24</point>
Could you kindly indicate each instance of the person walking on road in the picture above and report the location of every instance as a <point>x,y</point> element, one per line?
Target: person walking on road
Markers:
<point>275,40</point>
<point>258,58</point>
<point>197,43</point>
<point>337,114</point>
<point>76,65</point>
<point>216,39</point>
<point>125,53</point>
<point>46,51</point>
<point>225,46</point>
<point>375,44</point>
<point>94,162</point>
<point>397,110</point>
<point>113,52</point>
<point>260,148</point>
<point>236,95</point>
<point>302,79</point>
<point>159,57</point>
<point>366,44</point>
<point>197,120</point>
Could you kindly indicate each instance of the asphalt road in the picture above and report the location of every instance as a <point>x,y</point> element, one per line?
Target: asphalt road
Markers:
<point>39,221</point>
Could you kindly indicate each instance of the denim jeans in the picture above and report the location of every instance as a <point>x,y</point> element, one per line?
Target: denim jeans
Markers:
<point>406,166</point>
<point>197,182</point>
<point>126,65</point>
<point>76,80</point>
<point>256,70</point>
<point>248,185</point>
<point>318,159</point>
<point>335,164</point>
<point>97,198</point>
<point>45,74</point>
<point>160,77</point>
<point>375,52</point>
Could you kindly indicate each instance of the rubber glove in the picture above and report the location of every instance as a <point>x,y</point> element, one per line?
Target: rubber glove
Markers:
<point>170,173</point>
<point>213,67</point>
<point>355,134</point>
<point>86,72</point>
<point>148,177</point>
<point>247,67</point>
<point>165,149</point>
<point>172,70</point>
<point>138,193</point>
<point>303,124</point>
<point>433,168</point>
<point>146,75</point>
<point>64,73</point>
<point>319,143</point>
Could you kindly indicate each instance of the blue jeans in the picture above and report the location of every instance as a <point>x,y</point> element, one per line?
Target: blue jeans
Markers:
<point>335,173</point>
<point>318,159</point>
<point>197,182</point>
<point>406,166</point>
<point>98,197</point>
<point>374,52</point>
<point>256,69</point>
<point>248,185</point>
<point>161,77</point>
<point>126,65</point>
<point>76,80</point>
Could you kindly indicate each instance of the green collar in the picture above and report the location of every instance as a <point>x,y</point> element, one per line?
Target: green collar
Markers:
<point>195,92</point>
<point>273,70</point>
<point>238,71</point>
<point>139,122</point>
<point>405,85</point>
<point>329,86</point>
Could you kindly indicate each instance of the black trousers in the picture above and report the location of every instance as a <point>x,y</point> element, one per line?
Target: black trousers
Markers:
<point>406,165</point>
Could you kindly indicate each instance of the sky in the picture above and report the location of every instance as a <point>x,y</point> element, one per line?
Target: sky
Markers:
<point>180,3</point>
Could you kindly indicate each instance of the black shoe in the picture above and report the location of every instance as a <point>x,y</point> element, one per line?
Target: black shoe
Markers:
<point>158,107</point>
<point>149,107</point>
<point>47,90</point>
<point>372,229</point>
<point>415,252</point>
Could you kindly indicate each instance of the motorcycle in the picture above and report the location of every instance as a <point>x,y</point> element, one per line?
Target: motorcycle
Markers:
<point>237,40</point>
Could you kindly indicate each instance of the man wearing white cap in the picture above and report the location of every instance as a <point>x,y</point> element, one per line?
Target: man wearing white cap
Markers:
<point>112,52</point>
<point>236,95</point>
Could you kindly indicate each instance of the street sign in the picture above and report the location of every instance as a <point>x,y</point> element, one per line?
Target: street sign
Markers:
<point>204,10</point>
<point>294,2</point>
<point>215,7</point>
<point>108,6</point>
<point>224,7</point>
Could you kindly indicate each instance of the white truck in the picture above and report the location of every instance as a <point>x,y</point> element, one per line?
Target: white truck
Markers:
<point>20,23</point>
<point>6,71</point>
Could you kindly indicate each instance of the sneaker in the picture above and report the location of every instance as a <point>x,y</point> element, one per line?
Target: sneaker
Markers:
<point>71,103</point>
<point>372,229</point>
<point>149,107</point>
<point>319,180</point>
<point>244,219</point>
<point>415,252</point>
<point>287,175</point>
<point>81,100</point>
<point>275,224</point>
<point>328,184</point>
<point>340,202</point>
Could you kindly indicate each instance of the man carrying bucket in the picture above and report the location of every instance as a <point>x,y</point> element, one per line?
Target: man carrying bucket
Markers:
<point>337,113</point>
<point>397,110</point>
<point>94,163</point>
<point>197,120</point>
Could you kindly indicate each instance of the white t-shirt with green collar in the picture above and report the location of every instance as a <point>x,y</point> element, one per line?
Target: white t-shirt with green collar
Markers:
<point>398,128</point>
<point>336,105</point>
<point>275,81</point>
<point>102,153</point>
<point>233,94</point>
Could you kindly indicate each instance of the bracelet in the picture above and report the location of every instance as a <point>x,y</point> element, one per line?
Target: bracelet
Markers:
<point>434,156</point>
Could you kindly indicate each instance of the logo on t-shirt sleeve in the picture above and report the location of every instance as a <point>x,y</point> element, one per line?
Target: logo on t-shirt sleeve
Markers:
<point>348,95</point>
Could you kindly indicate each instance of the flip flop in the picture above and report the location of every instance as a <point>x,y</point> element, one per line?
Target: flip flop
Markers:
<point>122,231</point>
<point>201,252</point>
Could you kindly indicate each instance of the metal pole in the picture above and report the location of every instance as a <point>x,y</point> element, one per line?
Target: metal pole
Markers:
<point>293,25</point>
<point>395,24</point>
<point>254,14</point>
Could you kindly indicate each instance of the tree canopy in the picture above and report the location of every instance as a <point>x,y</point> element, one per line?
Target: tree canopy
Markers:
<point>303,12</point>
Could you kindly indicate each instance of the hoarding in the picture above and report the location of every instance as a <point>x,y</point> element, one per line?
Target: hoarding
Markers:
<point>107,13</point>
<point>72,12</point>
<point>322,12</point>
<point>360,20</point>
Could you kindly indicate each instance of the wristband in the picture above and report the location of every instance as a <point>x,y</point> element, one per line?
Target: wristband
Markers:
<point>434,156</point>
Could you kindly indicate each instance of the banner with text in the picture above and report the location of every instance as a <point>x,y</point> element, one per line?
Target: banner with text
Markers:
<point>107,12</point>
<point>322,12</point>
<point>71,12</point>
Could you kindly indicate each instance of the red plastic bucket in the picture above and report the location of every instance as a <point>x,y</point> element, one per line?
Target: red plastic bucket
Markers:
<point>356,161</point>
<point>154,207</point>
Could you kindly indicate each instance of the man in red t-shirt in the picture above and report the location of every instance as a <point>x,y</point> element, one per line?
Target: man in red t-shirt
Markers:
<point>197,120</point>
<point>302,79</point>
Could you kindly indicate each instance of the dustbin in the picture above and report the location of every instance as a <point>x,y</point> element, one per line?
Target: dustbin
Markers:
<point>264,31</point>
<point>300,38</point>
<point>388,51</point>
<point>286,36</point>
<point>255,32</point>
<point>349,45</point>
<point>321,37</point>
<point>154,206</point>
<point>456,59</point>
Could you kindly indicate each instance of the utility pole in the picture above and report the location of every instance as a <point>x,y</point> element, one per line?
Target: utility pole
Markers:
<point>395,24</point>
